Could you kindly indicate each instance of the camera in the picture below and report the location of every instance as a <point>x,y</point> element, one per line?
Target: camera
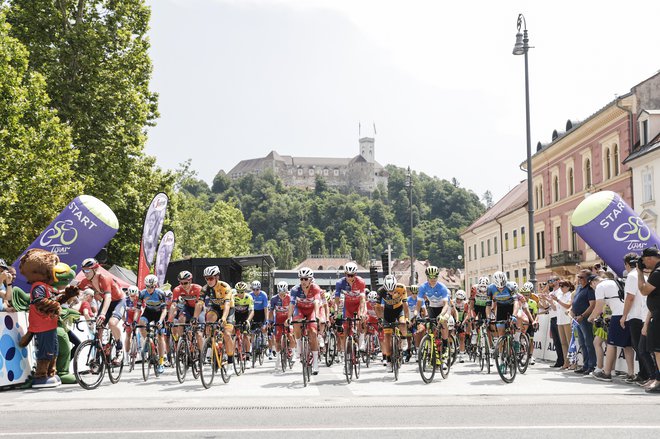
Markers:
<point>598,323</point>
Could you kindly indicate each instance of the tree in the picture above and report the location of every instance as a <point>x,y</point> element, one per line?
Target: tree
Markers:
<point>37,157</point>
<point>488,199</point>
<point>220,182</point>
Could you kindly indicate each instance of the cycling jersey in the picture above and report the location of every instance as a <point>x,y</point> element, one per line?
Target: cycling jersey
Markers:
<point>460,309</point>
<point>190,297</point>
<point>243,305</point>
<point>279,305</point>
<point>352,292</point>
<point>437,295</point>
<point>504,297</point>
<point>218,296</point>
<point>260,299</point>
<point>153,302</point>
<point>533,307</point>
<point>393,299</point>
<point>106,285</point>
<point>481,298</point>
<point>305,301</point>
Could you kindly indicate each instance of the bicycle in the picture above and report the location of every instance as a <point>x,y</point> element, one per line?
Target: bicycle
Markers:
<point>150,355</point>
<point>187,352</point>
<point>506,358</point>
<point>429,357</point>
<point>524,352</point>
<point>352,356</point>
<point>371,344</point>
<point>286,354</point>
<point>330,345</point>
<point>259,345</point>
<point>93,357</point>
<point>306,359</point>
<point>213,356</point>
<point>483,346</point>
<point>396,354</point>
<point>136,340</point>
<point>240,356</point>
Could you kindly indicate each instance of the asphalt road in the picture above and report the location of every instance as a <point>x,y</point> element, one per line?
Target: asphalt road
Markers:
<point>543,402</point>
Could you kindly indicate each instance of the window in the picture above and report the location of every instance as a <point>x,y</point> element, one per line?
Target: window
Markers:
<point>524,278</point>
<point>508,275</point>
<point>542,201</point>
<point>574,240</point>
<point>475,251</point>
<point>558,239</point>
<point>515,275</point>
<point>571,182</point>
<point>647,185</point>
<point>522,236</point>
<point>336,172</point>
<point>495,244</point>
<point>482,249</point>
<point>515,239</point>
<point>644,132</point>
<point>540,245</point>
<point>506,241</point>
<point>489,247</point>
<point>615,155</point>
<point>555,188</point>
<point>325,172</point>
<point>587,174</point>
<point>311,171</point>
<point>469,253</point>
<point>608,164</point>
<point>300,171</point>
<point>536,198</point>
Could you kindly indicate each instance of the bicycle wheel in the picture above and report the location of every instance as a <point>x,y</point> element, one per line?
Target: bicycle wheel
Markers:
<point>304,357</point>
<point>193,358</point>
<point>348,360</point>
<point>522,355</point>
<point>155,358</point>
<point>224,363</point>
<point>487,354</point>
<point>453,343</point>
<point>262,348</point>
<point>114,369</point>
<point>182,357</point>
<point>356,360</point>
<point>284,352</point>
<point>505,360</point>
<point>133,354</point>
<point>239,360</point>
<point>395,356</point>
<point>207,363</point>
<point>146,359</point>
<point>444,362</point>
<point>426,359</point>
<point>366,355</point>
<point>88,365</point>
<point>331,349</point>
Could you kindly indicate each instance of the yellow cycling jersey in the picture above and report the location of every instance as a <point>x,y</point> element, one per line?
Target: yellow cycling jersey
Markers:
<point>394,298</point>
<point>220,295</point>
<point>243,305</point>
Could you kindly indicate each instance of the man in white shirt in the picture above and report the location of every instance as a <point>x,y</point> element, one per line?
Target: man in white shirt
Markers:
<point>634,315</point>
<point>607,292</point>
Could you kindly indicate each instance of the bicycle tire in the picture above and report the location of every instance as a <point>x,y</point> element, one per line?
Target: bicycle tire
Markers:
<point>304,358</point>
<point>348,360</point>
<point>455,347</point>
<point>221,354</point>
<point>330,349</point>
<point>155,358</point>
<point>239,359</point>
<point>445,360</point>
<point>262,348</point>
<point>114,372</point>
<point>426,360</point>
<point>367,351</point>
<point>505,360</point>
<point>182,358</point>
<point>395,356</point>
<point>356,360</point>
<point>193,359</point>
<point>522,359</point>
<point>207,363</point>
<point>146,360</point>
<point>133,351</point>
<point>87,354</point>
<point>284,351</point>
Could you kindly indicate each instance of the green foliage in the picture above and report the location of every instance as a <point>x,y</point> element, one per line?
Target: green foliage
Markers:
<point>37,157</point>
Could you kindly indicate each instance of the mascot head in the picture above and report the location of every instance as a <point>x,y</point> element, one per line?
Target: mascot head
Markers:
<point>63,275</point>
<point>37,265</point>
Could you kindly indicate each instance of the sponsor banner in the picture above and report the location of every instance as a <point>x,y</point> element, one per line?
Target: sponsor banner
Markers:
<point>83,228</point>
<point>153,224</point>
<point>163,257</point>
<point>610,227</point>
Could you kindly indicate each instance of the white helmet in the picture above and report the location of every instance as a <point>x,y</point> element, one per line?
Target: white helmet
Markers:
<point>390,282</point>
<point>213,270</point>
<point>499,279</point>
<point>512,286</point>
<point>282,287</point>
<point>151,280</point>
<point>185,275</point>
<point>373,297</point>
<point>256,285</point>
<point>460,295</point>
<point>484,281</point>
<point>527,287</point>
<point>305,272</point>
<point>351,268</point>
<point>133,290</point>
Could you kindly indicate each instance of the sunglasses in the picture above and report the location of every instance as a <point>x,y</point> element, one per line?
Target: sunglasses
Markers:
<point>350,275</point>
<point>184,283</point>
<point>304,278</point>
<point>150,288</point>
<point>210,278</point>
<point>87,271</point>
<point>432,277</point>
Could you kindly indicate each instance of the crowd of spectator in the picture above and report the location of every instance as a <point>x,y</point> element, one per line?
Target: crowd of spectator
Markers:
<point>598,315</point>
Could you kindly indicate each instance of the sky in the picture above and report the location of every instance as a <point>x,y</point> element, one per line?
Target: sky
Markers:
<point>239,78</point>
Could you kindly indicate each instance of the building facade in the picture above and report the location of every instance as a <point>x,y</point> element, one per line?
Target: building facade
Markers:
<point>361,173</point>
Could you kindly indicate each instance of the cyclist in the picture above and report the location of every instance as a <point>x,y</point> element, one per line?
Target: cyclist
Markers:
<point>530,322</point>
<point>371,324</point>
<point>260,299</point>
<point>278,311</point>
<point>438,307</point>
<point>412,304</point>
<point>131,310</point>
<point>187,304</point>
<point>244,313</point>
<point>505,300</point>
<point>113,307</point>
<point>324,310</point>
<point>154,301</point>
<point>219,301</point>
<point>305,303</point>
<point>353,287</point>
<point>395,309</point>
<point>460,305</point>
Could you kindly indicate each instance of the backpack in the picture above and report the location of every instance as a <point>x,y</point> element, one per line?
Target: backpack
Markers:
<point>621,283</point>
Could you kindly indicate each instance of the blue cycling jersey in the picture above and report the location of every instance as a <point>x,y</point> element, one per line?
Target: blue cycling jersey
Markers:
<point>412,303</point>
<point>437,295</point>
<point>260,300</point>
<point>154,301</point>
<point>505,297</point>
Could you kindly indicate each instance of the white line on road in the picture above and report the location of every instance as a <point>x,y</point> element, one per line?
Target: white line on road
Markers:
<point>339,429</point>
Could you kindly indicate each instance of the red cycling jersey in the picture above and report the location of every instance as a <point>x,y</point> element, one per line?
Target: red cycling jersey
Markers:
<point>106,284</point>
<point>191,297</point>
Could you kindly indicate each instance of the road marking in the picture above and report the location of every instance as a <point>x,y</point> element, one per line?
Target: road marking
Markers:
<point>337,429</point>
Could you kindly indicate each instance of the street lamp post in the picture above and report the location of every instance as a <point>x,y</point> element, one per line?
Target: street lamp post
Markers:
<point>409,183</point>
<point>522,48</point>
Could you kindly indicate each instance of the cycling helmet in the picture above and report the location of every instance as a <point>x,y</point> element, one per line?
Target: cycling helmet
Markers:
<point>213,270</point>
<point>473,289</point>
<point>432,271</point>
<point>185,275</point>
<point>133,290</point>
<point>512,286</point>
<point>256,285</point>
<point>282,287</point>
<point>90,263</point>
<point>305,272</point>
<point>151,280</point>
<point>460,295</point>
<point>373,296</point>
<point>390,282</point>
<point>483,281</point>
<point>414,289</point>
<point>350,268</point>
<point>499,279</point>
<point>241,287</point>
<point>527,287</point>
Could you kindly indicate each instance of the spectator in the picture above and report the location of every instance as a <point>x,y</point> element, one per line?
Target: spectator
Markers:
<point>549,291</point>
<point>584,301</point>
<point>86,304</point>
<point>7,276</point>
<point>651,289</point>
<point>563,300</point>
<point>634,316</point>
<point>607,292</point>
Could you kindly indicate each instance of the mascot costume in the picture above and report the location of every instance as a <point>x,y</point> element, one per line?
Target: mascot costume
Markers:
<point>47,318</point>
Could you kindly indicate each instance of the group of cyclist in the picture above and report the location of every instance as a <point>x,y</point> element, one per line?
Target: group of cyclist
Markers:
<point>376,312</point>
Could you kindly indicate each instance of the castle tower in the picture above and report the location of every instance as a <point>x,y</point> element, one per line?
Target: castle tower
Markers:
<point>367,149</point>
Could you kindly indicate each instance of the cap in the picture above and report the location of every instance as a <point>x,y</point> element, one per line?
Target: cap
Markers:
<point>651,251</point>
<point>592,278</point>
